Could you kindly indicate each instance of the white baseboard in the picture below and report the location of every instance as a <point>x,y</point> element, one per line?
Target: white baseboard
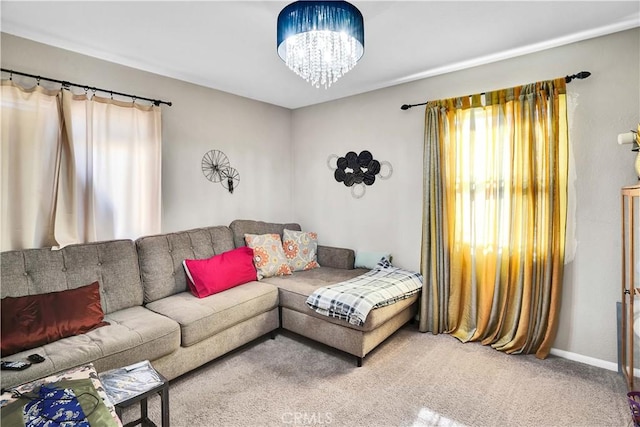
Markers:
<point>590,361</point>
<point>585,359</point>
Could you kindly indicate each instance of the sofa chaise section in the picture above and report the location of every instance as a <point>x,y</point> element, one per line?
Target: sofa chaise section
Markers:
<point>297,317</point>
<point>134,333</point>
<point>336,265</point>
<point>210,326</point>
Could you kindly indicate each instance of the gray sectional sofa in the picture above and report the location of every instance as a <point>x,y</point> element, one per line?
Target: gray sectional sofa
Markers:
<point>153,316</point>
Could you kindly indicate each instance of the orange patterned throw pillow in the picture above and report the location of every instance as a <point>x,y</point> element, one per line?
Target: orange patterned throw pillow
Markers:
<point>301,249</point>
<point>268,256</point>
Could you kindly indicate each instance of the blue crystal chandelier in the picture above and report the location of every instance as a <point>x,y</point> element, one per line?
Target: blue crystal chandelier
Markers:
<point>320,40</point>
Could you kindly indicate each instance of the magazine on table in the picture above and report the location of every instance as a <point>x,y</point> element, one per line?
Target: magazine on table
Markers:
<point>130,381</point>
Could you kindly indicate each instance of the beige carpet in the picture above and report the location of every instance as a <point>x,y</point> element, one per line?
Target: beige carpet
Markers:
<point>413,379</point>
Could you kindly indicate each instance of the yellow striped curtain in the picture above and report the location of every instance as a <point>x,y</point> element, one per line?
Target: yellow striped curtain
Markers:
<point>495,207</point>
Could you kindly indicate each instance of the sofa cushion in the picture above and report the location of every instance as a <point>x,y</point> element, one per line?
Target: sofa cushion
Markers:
<point>327,256</point>
<point>268,255</point>
<point>33,320</point>
<point>336,257</point>
<point>301,249</point>
<point>161,257</point>
<point>133,334</point>
<point>295,289</point>
<point>200,318</point>
<point>220,272</point>
<point>113,263</point>
<point>240,227</point>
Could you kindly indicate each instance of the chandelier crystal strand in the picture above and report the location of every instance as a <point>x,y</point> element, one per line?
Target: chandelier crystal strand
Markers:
<point>320,40</point>
<point>320,57</point>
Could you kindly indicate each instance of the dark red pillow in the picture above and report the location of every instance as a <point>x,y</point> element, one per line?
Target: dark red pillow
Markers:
<point>33,320</point>
<point>220,272</point>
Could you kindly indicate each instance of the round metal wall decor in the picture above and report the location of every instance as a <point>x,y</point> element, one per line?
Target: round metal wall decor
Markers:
<point>358,170</point>
<point>231,179</point>
<point>216,168</point>
<point>214,163</point>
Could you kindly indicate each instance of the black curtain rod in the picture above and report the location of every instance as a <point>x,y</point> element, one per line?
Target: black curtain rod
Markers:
<point>66,84</point>
<point>581,75</point>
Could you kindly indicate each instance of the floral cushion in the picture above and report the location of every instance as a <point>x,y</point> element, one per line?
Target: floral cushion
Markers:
<point>268,256</point>
<point>301,249</point>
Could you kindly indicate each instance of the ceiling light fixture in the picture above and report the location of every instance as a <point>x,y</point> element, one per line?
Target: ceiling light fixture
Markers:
<point>320,40</point>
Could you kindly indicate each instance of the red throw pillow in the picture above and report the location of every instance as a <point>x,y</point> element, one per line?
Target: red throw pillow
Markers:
<point>33,320</point>
<point>220,272</point>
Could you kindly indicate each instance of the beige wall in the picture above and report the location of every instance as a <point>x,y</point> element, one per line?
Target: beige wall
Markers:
<point>281,156</point>
<point>255,136</point>
<point>388,217</point>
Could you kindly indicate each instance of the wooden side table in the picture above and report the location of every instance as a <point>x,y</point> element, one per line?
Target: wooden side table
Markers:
<point>135,384</point>
<point>630,257</point>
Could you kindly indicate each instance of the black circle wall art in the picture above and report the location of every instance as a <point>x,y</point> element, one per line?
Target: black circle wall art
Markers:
<point>357,170</point>
<point>216,168</point>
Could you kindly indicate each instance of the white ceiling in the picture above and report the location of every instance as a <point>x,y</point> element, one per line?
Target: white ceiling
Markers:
<point>231,45</point>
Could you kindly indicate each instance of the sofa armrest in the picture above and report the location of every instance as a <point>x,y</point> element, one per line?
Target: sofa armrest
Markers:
<point>336,257</point>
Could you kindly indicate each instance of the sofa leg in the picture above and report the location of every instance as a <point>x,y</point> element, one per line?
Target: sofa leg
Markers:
<point>273,334</point>
<point>359,361</point>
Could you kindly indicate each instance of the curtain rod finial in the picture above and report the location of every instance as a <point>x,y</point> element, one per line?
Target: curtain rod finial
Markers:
<point>405,107</point>
<point>581,75</point>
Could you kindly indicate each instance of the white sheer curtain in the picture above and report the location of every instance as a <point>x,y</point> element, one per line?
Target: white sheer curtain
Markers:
<point>77,170</point>
<point>30,153</point>
<point>110,185</point>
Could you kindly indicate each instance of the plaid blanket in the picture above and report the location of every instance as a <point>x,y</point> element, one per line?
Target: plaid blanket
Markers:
<point>352,300</point>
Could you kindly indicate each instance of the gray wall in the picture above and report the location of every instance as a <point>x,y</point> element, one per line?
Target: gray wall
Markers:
<point>282,154</point>
<point>389,216</point>
<point>254,135</point>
